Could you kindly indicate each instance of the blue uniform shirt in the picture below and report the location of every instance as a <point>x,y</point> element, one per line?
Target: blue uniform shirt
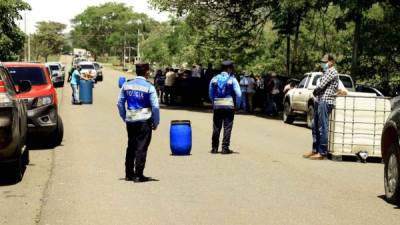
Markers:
<point>138,101</point>
<point>223,88</point>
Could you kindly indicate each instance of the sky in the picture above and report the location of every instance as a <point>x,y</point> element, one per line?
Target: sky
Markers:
<point>64,10</point>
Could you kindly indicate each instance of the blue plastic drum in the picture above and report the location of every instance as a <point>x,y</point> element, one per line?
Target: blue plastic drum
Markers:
<point>181,137</point>
<point>121,81</point>
<point>86,91</point>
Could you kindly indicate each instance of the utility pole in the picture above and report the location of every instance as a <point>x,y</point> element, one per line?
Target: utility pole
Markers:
<point>129,55</point>
<point>124,49</point>
<point>29,47</point>
<point>138,45</point>
<point>25,45</point>
<point>138,22</point>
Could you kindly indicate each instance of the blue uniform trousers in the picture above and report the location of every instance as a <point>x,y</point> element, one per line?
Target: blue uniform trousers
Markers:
<point>222,117</point>
<point>139,137</point>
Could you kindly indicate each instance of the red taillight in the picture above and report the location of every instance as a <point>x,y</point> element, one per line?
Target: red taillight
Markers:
<point>2,87</point>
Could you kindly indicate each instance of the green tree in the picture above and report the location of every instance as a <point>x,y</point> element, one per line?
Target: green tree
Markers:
<point>48,38</point>
<point>109,27</point>
<point>11,37</point>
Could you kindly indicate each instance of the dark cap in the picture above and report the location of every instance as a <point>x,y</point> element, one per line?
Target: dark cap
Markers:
<point>141,68</point>
<point>227,64</point>
<point>328,57</point>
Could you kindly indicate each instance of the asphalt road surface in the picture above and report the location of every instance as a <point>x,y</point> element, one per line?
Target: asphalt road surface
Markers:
<point>267,182</point>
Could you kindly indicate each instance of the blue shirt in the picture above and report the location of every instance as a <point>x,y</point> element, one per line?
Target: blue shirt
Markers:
<point>75,77</point>
<point>223,88</point>
<point>138,102</point>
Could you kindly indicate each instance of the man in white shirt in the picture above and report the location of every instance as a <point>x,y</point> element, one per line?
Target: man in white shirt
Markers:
<point>170,78</point>
<point>251,90</point>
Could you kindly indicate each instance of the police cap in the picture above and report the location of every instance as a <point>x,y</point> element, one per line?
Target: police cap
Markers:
<point>142,68</point>
<point>227,64</point>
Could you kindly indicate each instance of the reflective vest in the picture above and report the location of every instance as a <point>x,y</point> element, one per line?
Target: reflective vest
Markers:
<point>137,93</point>
<point>223,92</point>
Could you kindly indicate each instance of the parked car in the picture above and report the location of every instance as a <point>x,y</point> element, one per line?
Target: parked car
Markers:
<point>87,67</point>
<point>41,101</point>
<point>99,71</point>
<point>299,101</point>
<point>57,73</point>
<point>13,124</point>
<point>390,151</point>
<point>369,89</point>
<point>78,60</point>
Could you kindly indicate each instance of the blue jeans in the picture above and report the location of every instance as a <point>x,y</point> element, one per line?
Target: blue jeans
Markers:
<point>320,127</point>
<point>75,93</point>
<point>243,101</point>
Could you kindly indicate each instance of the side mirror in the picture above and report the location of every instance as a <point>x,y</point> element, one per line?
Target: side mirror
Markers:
<point>24,86</point>
<point>101,67</point>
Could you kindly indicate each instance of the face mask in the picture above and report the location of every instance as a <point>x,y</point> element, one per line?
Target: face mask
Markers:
<point>325,66</point>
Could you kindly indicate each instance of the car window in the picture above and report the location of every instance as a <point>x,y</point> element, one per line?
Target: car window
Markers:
<point>315,80</point>
<point>87,67</point>
<point>347,82</point>
<point>303,82</point>
<point>34,74</point>
<point>54,67</point>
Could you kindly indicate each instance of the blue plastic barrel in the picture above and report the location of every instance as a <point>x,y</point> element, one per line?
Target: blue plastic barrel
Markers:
<point>181,137</point>
<point>86,91</point>
<point>121,81</point>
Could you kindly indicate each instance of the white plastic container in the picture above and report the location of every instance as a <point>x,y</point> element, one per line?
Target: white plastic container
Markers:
<point>356,125</point>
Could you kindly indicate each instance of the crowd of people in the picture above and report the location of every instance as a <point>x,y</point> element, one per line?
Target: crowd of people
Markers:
<point>189,87</point>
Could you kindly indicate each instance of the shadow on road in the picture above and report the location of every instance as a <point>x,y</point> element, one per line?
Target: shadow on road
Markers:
<point>7,175</point>
<point>383,197</point>
<point>150,180</point>
<point>39,143</point>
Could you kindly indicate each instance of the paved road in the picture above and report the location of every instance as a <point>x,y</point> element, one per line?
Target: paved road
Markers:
<point>81,182</point>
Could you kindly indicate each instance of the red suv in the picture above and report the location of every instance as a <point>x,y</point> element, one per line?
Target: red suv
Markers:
<point>41,101</point>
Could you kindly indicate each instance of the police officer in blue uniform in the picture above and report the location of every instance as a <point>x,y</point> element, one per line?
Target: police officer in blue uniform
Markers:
<point>138,106</point>
<point>224,88</point>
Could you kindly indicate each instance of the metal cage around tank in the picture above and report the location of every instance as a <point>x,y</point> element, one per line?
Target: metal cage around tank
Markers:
<point>356,124</point>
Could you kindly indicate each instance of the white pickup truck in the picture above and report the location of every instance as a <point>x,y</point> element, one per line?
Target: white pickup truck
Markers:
<point>299,101</point>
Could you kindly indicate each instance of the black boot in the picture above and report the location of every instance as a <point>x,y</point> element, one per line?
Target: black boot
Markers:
<point>139,178</point>
<point>214,151</point>
<point>226,151</point>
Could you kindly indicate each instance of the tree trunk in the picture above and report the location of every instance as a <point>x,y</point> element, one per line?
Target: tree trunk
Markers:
<point>288,70</point>
<point>45,58</point>
<point>356,41</point>
<point>295,60</point>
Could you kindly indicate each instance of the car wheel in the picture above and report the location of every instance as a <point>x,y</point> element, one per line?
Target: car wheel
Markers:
<point>392,175</point>
<point>26,157</point>
<point>287,118</point>
<point>310,116</point>
<point>17,170</point>
<point>58,134</point>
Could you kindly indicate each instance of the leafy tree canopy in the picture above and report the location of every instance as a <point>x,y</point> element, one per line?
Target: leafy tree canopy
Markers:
<point>11,37</point>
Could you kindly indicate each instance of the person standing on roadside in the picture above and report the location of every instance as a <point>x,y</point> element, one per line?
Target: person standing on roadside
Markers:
<point>170,78</point>
<point>251,90</point>
<point>324,96</point>
<point>243,87</point>
<point>75,77</point>
<point>222,90</point>
<point>139,108</point>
